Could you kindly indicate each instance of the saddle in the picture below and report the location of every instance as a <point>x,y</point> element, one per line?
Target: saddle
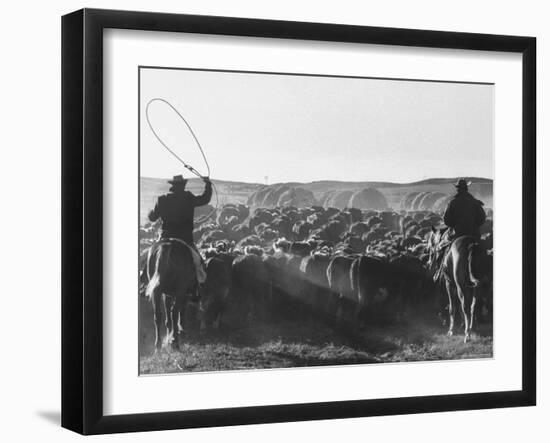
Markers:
<point>197,259</point>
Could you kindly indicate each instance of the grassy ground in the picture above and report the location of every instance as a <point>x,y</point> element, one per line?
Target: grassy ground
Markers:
<point>309,343</point>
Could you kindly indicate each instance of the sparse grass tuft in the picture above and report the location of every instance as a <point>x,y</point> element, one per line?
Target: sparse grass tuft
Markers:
<point>292,344</point>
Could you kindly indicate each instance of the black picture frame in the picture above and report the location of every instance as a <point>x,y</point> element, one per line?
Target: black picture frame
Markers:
<point>82,218</point>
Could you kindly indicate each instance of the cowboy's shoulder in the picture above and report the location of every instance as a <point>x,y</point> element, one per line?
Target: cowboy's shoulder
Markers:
<point>453,201</point>
<point>473,199</point>
<point>168,199</point>
<point>182,195</point>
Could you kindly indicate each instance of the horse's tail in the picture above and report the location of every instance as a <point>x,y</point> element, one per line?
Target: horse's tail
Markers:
<point>162,261</point>
<point>473,250</point>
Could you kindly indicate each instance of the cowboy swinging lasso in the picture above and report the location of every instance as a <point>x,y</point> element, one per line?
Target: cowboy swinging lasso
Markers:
<point>163,277</point>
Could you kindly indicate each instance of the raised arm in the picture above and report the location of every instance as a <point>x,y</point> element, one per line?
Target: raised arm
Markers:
<point>204,198</point>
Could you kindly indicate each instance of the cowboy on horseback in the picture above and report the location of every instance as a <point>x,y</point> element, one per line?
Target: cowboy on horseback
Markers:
<point>176,212</point>
<point>456,255</point>
<point>464,215</point>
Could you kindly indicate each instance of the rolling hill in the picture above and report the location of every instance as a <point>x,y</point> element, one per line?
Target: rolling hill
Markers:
<point>238,192</point>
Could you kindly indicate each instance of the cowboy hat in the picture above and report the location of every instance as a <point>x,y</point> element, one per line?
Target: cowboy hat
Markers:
<point>178,179</point>
<point>462,184</point>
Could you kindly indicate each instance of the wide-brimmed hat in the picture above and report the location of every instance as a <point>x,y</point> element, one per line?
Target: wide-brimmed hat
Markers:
<point>178,180</point>
<point>462,184</point>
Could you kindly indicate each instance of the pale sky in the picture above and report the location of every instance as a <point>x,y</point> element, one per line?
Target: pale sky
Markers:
<point>303,128</point>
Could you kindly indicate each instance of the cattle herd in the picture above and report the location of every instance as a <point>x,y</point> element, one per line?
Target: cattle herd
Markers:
<point>345,266</point>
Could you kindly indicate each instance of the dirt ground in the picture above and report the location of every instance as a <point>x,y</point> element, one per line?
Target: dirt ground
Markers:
<point>285,344</point>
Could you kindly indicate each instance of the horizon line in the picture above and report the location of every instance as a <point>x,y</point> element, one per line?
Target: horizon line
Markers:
<point>333,180</point>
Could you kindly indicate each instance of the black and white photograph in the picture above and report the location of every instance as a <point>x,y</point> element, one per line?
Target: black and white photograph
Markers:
<point>293,220</point>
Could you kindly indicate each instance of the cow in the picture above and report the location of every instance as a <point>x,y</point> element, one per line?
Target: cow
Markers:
<point>215,290</point>
<point>250,286</point>
<point>409,286</point>
<point>282,225</point>
<point>300,249</point>
<point>260,216</point>
<point>227,212</point>
<point>371,279</point>
<point>315,294</point>
<point>301,230</point>
<point>339,279</point>
<point>359,228</point>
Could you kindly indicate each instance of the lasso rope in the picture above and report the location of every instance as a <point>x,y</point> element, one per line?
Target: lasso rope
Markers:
<point>171,151</point>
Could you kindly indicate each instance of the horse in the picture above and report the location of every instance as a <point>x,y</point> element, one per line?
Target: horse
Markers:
<point>458,272</point>
<point>172,282</point>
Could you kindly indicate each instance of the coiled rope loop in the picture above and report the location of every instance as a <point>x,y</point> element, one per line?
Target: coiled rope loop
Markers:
<point>189,167</point>
<point>171,151</point>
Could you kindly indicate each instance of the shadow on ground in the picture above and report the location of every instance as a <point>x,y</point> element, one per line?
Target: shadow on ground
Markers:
<point>308,342</point>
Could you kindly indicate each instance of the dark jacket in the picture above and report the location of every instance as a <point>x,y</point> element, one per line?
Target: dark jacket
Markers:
<point>464,214</point>
<point>176,210</point>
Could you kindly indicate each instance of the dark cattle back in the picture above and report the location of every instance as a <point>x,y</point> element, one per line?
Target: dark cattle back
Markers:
<point>316,294</point>
<point>250,286</point>
<point>371,280</point>
<point>339,276</point>
<point>215,290</point>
